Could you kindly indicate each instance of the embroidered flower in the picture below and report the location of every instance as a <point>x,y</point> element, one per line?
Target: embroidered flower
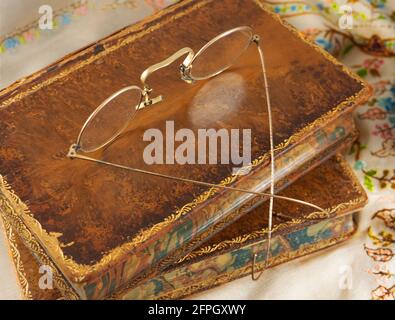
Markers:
<point>370,66</point>
<point>324,43</point>
<point>28,35</point>
<point>387,150</point>
<point>379,4</point>
<point>66,18</point>
<point>380,87</point>
<point>387,103</point>
<point>81,11</point>
<point>373,114</point>
<point>380,254</point>
<point>311,32</point>
<point>11,43</point>
<point>383,293</point>
<point>384,131</point>
<point>388,216</point>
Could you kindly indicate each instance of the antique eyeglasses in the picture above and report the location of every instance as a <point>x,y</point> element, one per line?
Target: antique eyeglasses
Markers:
<point>112,116</point>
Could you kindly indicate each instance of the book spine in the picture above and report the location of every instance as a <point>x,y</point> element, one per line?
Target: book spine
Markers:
<point>218,269</point>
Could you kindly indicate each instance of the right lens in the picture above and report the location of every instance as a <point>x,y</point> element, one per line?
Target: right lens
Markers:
<point>109,119</point>
<point>220,53</point>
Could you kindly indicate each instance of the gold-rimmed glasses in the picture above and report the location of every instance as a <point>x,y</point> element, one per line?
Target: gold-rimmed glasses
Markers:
<point>113,115</point>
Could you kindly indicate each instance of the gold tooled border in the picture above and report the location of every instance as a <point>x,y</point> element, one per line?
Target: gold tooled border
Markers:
<point>193,289</point>
<point>9,217</point>
<point>27,223</point>
<point>16,258</point>
<point>337,210</point>
<point>206,284</point>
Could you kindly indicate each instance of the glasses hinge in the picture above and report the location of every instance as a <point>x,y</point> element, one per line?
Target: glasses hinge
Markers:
<point>72,151</point>
<point>256,39</point>
<point>186,74</point>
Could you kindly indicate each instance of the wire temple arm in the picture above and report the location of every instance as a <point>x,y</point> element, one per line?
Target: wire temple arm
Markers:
<point>256,39</point>
<point>185,51</point>
<point>73,155</point>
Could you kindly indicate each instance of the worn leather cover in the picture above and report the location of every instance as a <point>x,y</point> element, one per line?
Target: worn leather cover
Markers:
<point>331,185</point>
<point>102,227</point>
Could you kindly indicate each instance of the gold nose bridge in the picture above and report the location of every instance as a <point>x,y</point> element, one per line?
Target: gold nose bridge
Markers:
<point>147,90</point>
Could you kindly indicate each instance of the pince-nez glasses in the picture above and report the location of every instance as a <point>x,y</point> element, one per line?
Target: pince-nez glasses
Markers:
<point>113,115</point>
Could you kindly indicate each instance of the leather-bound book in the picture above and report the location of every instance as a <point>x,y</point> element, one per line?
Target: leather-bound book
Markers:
<point>101,228</point>
<point>229,254</point>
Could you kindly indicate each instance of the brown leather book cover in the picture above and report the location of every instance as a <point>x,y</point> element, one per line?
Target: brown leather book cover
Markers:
<point>102,227</point>
<point>332,185</point>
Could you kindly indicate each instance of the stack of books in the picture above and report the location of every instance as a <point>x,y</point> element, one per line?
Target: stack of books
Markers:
<point>103,232</point>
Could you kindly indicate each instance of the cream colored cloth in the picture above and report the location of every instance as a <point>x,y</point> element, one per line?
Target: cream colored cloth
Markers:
<point>9,288</point>
<point>352,270</point>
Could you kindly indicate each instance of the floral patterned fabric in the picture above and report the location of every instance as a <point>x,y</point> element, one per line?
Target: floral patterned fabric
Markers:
<point>361,34</point>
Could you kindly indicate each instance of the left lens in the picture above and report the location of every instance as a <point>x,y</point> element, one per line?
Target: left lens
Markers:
<point>109,119</point>
<point>220,53</point>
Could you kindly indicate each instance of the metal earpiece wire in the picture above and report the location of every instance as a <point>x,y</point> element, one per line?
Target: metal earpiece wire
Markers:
<point>256,40</point>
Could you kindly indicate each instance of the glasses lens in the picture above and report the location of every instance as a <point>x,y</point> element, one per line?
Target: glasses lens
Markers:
<point>110,119</point>
<point>221,53</point>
